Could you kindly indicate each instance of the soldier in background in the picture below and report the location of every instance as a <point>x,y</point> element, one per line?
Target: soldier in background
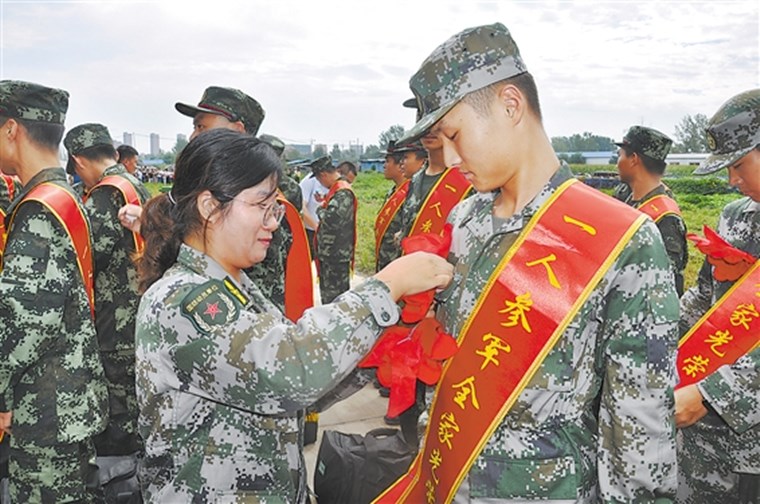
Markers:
<point>388,221</point>
<point>108,187</point>
<point>128,158</point>
<point>9,188</point>
<point>347,171</point>
<point>50,374</point>
<point>641,164</point>
<point>719,415</point>
<point>335,237</point>
<point>586,415</point>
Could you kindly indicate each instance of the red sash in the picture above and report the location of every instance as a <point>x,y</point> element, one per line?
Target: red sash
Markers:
<point>528,302</point>
<point>449,189</point>
<point>337,186</point>
<point>729,330</point>
<point>659,206</point>
<point>129,193</point>
<point>67,210</point>
<point>388,213</point>
<point>11,189</point>
<point>299,286</point>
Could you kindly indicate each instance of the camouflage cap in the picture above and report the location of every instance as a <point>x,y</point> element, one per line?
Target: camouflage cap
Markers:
<point>82,137</point>
<point>415,146</point>
<point>33,102</point>
<point>231,103</point>
<point>322,164</point>
<point>277,144</point>
<point>732,132</point>
<point>412,103</point>
<point>647,141</point>
<point>466,62</point>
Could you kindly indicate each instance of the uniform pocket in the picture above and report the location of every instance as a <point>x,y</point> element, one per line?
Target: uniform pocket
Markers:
<point>503,478</point>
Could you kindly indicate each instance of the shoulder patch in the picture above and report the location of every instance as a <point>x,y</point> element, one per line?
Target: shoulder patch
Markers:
<point>209,305</point>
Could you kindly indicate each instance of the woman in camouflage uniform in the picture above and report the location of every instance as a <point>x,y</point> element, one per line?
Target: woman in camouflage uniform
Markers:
<point>221,373</point>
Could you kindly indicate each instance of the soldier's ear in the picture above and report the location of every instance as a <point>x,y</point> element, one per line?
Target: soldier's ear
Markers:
<point>206,204</point>
<point>511,101</point>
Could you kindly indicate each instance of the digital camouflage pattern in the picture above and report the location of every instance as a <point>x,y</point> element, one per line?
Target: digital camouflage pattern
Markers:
<point>673,231</point>
<point>231,103</point>
<point>335,243</point>
<point>291,190</point>
<point>419,187</point>
<point>33,102</point>
<point>222,375</point>
<point>277,144</point>
<point>727,440</point>
<point>85,136</point>
<point>647,141</point>
<point>466,62</point>
<point>617,355</point>
<point>732,132</point>
<point>51,371</point>
<point>390,245</point>
<point>116,299</point>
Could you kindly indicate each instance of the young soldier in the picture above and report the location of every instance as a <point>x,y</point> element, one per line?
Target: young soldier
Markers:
<point>335,237</point>
<point>563,304</point>
<point>50,372</point>
<point>388,221</point>
<point>128,158</point>
<point>9,188</point>
<point>718,402</point>
<point>641,163</point>
<point>108,187</point>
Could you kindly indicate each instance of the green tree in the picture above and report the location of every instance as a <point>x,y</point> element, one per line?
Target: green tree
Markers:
<point>393,133</point>
<point>335,152</point>
<point>584,142</point>
<point>372,151</point>
<point>181,142</point>
<point>690,134</point>
<point>168,157</point>
<point>319,151</point>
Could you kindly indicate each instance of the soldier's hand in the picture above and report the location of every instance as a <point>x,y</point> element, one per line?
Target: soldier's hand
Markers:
<point>129,217</point>
<point>689,407</point>
<point>416,272</point>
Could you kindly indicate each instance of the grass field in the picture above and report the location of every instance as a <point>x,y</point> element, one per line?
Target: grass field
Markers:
<point>370,188</point>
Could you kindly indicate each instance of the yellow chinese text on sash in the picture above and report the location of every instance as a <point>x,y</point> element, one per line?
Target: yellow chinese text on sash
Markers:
<point>299,285</point>
<point>129,193</point>
<point>659,206</point>
<point>10,190</point>
<point>68,212</point>
<point>388,213</point>
<point>729,330</point>
<point>532,296</point>
<point>449,189</point>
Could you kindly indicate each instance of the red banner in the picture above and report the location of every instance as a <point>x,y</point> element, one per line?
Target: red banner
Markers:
<point>449,189</point>
<point>299,285</point>
<point>129,193</point>
<point>388,213</point>
<point>659,206</point>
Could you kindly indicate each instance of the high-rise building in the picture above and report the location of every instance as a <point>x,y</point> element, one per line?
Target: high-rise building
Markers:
<point>129,139</point>
<point>155,145</point>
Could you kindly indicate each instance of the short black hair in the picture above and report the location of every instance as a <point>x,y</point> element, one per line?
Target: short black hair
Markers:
<point>346,167</point>
<point>480,100</point>
<point>126,151</point>
<point>100,152</point>
<point>44,134</point>
<point>653,166</point>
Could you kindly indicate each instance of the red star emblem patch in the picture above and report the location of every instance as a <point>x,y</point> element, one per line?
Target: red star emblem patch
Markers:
<point>212,309</point>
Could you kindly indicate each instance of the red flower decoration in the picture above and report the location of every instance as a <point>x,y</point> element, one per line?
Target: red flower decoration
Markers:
<point>403,354</point>
<point>729,262</point>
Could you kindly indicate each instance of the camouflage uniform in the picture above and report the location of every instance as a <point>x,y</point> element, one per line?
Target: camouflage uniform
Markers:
<point>673,231</point>
<point>335,243</point>
<point>419,188</point>
<point>617,355</point>
<point>390,246</point>
<point>116,299</point>
<point>221,375</point>
<point>51,372</point>
<point>721,452</point>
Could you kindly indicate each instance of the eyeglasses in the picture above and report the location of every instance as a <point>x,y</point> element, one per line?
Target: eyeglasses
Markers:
<point>274,210</point>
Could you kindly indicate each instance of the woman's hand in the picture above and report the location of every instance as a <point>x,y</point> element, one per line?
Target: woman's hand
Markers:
<point>129,217</point>
<point>415,272</point>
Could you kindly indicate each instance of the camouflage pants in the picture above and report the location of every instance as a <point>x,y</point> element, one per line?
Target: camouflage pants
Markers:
<point>59,473</point>
<point>334,280</point>
<point>706,473</point>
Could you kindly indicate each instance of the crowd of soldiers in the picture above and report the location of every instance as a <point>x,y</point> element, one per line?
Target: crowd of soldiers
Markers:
<point>165,349</point>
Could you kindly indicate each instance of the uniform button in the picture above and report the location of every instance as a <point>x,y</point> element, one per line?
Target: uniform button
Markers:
<point>385,316</point>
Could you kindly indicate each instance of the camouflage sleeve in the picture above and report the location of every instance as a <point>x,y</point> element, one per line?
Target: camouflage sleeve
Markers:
<point>673,231</point>
<point>696,301</point>
<point>102,208</point>
<point>337,225</point>
<point>261,362</point>
<point>734,392</point>
<point>292,191</point>
<point>34,285</point>
<point>637,447</point>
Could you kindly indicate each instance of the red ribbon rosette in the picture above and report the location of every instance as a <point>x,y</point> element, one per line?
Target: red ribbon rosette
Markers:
<point>404,354</point>
<point>729,262</point>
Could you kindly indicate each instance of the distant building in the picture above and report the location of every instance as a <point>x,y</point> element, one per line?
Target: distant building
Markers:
<point>690,158</point>
<point>357,149</point>
<point>371,164</point>
<point>155,144</point>
<point>303,149</point>
<point>129,139</point>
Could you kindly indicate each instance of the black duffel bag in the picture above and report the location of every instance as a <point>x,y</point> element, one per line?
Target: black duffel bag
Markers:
<point>354,469</point>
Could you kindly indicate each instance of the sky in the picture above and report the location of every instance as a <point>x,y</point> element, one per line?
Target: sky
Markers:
<point>337,71</point>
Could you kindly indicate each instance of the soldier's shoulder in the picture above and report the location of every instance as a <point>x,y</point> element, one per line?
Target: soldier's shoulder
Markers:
<point>212,304</point>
